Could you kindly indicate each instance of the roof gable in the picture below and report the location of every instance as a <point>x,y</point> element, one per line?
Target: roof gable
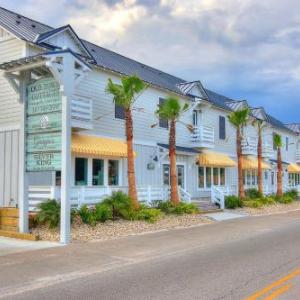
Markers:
<point>63,38</point>
<point>259,113</point>
<point>238,105</point>
<point>194,88</point>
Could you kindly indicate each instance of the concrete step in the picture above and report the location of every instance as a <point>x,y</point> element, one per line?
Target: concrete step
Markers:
<point>206,206</point>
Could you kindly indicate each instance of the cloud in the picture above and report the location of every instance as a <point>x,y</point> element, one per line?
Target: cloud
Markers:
<point>247,49</point>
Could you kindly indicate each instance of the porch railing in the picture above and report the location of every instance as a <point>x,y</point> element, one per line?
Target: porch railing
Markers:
<point>218,194</point>
<point>203,136</point>
<point>93,195</point>
<point>249,147</point>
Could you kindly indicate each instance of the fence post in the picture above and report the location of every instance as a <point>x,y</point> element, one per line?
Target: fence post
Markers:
<point>52,192</point>
<point>222,200</point>
<point>149,200</point>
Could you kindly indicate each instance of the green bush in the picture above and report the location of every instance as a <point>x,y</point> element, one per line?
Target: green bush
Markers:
<point>49,213</point>
<point>120,205</point>
<point>88,215</point>
<point>268,200</point>
<point>181,208</point>
<point>150,215</point>
<point>233,202</point>
<point>253,203</point>
<point>253,194</point>
<point>292,193</point>
<point>285,199</point>
<point>103,212</point>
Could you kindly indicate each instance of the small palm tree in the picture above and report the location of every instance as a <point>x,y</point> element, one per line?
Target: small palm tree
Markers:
<point>259,124</point>
<point>124,95</point>
<point>278,144</point>
<point>171,110</point>
<point>239,120</point>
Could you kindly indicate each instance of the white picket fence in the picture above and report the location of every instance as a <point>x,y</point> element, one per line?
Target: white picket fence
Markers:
<point>92,195</point>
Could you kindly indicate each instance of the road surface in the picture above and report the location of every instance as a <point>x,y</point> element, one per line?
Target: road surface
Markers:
<point>249,258</point>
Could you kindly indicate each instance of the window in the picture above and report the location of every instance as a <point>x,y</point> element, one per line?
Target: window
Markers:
<point>98,172</point>
<point>113,172</point>
<point>180,175</point>
<point>58,178</point>
<point>222,128</point>
<point>163,123</point>
<point>81,171</point>
<point>287,144</point>
<point>195,118</point>
<point>166,175</point>
<point>222,176</point>
<point>216,176</point>
<point>208,176</point>
<point>119,112</point>
<point>201,177</point>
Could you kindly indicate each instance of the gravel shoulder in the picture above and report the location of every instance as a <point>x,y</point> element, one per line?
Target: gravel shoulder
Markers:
<point>117,229</point>
<point>271,209</point>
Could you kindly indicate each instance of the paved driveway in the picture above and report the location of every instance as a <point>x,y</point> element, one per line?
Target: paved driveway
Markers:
<point>9,245</point>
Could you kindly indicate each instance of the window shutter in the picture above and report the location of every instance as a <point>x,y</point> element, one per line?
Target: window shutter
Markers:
<point>162,122</point>
<point>222,128</point>
<point>119,112</point>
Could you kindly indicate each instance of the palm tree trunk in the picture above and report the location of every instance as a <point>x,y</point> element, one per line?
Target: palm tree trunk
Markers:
<point>240,164</point>
<point>259,157</point>
<point>132,193</point>
<point>279,173</point>
<point>172,156</point>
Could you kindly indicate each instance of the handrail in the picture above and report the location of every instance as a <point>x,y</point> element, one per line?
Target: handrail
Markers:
<point>184,195</point>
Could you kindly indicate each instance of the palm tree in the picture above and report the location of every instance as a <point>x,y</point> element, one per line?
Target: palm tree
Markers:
<point>278,144</point>
<point>171,110</point>
<point>239,120</point>
<point>124,95</point>
<point>259,124</point>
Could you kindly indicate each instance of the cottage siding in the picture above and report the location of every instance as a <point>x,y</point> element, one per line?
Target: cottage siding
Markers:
<point>10,49</point>
<point>9,154</point>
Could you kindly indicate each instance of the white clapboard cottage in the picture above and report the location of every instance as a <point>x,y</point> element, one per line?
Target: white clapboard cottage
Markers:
<point>61,135</point>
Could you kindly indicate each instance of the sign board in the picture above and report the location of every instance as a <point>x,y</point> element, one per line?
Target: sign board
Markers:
<point>44,121</point>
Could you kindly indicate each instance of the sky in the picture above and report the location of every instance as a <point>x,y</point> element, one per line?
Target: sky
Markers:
<point>243,49</point>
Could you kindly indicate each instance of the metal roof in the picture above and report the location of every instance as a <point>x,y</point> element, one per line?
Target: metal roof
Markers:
<point>30,30</point>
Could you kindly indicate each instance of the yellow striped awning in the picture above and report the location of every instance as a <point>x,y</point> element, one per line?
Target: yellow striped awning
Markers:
<point>251,163</point>
<point>214,159</point>
<point>294,168</point>
<point>98,146</point>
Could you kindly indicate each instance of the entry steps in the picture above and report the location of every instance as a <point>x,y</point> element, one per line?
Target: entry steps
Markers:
<point>205,205</point>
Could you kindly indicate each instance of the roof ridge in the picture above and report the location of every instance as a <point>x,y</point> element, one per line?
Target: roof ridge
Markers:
<point>16,13</point>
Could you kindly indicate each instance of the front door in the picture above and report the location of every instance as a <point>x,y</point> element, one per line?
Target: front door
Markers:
<point>180,175</point>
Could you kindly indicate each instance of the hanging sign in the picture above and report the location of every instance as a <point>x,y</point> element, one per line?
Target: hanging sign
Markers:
<point>43,130</point>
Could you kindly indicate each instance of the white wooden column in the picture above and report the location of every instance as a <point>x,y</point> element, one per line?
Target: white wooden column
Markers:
<point>66,171</point>
<point>23,178</point>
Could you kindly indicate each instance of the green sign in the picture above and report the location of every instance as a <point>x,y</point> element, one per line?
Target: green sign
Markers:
<point>43,96</point>
<point>44,161</point>
<point>44,142</point>
<point>44,121</point>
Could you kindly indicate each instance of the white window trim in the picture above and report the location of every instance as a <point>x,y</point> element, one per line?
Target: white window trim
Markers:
<point>177,164</point>
<point>208,189</point>
<point>90,170</point>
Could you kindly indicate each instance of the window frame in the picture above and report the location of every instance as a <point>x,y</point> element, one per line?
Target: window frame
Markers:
<point>205,172</point>
<point>162,122</point>
<point>222,128</point>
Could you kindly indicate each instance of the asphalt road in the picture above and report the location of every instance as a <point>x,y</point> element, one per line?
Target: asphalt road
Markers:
<point>250,258</point>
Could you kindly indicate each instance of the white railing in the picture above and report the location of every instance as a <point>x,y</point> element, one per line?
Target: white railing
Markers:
<point>91,195</point>
<point>82,113</point>
<point>249,147</point>
<point>298,156</point>
<point>203,136</point>
<point>219,193</point>
<point>184,195</point>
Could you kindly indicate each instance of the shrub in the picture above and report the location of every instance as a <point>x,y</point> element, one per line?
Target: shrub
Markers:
<point>120,205</point>
<point>285,199</point>
<point>233,202</point>
<point>181,208</point>
<point>88,215</point>
<point>103,212</point>
<point>150,215</point>
<point>253,203</point>
<point>269,200</point>
<point>253,194</point>
<point>292,193</point>
<point>49,213</point>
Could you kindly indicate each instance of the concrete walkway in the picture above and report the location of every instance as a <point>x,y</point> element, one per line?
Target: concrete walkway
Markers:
<point>10,246</point>
<point>225,215</point>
